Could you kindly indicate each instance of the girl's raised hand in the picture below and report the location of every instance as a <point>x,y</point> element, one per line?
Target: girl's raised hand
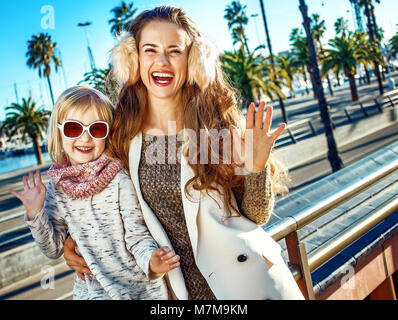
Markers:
<point>254,148</point>
<point>163,260</point>
<point>33,195</point>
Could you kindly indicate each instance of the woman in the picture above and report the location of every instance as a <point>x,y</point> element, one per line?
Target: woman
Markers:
<point>174,96</point>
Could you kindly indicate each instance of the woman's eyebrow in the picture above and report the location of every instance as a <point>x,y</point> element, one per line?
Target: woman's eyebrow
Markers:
<point>155,45</point>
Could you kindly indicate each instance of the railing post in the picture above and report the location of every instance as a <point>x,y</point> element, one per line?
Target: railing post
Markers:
<point>348,116</point>
<point>392,103</point>
<point>378,105</point>
<point>291,135</point>
<point>312,127</point>
<point>363,109</point>
<point>298,256</point>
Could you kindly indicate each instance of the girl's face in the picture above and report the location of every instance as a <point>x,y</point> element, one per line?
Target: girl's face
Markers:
<point>85,148</point>
<point>163,57</point>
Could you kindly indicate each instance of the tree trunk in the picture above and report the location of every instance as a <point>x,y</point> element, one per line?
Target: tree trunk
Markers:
<point>353,88</point>
<point>333,154</point>
<point>329,85</point>
<point>51,90</point>
<point>367,75</point>
<point>338,79</point>
<point>305,80</point>
<point>36,146</point>
<point>371,30</point>
<point>282,106</point>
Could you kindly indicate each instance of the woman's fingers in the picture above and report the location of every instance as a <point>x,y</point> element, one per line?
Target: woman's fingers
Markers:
<point>250,116</point>
<point>278,131</point>
<point>259,116</point>
<point>268,119</point>
<point>78,267</point>
<point>81,276</point>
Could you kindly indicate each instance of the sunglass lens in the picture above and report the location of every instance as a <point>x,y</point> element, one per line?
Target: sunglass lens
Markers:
<point>99,130</point>
<point>72,129</point>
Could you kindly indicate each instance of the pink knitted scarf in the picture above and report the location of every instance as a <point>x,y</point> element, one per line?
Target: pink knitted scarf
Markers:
<point>84,180</point>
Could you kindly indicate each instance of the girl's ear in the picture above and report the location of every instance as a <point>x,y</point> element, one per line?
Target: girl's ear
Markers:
<point>125,64</point>
<point>202,63</point>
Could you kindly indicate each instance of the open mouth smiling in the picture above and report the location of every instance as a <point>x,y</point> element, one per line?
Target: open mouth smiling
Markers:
<point>162,78</point>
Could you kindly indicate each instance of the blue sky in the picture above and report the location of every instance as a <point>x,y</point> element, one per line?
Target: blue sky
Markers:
<point>19,20</point>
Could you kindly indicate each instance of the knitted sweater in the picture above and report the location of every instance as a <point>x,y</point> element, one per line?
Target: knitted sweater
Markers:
<point>160,186</point>
<point>111,235</point>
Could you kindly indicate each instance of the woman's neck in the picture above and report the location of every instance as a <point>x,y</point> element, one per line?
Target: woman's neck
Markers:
<point>164,116</point>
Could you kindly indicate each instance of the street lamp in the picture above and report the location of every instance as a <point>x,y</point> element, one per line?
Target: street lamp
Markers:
<point>255,15</point>
<point>90,53</point>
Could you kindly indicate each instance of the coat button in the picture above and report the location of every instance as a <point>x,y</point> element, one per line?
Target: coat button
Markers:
<point>242,258</point>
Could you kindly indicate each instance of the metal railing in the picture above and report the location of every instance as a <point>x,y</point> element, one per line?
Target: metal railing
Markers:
<point>302,265</point>
<point>388,99</point>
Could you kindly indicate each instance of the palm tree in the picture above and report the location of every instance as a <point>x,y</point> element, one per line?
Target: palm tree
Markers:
<point>344,56</point>
<point>367,53</point>
<point>288,69</point>
<point>40,55</point>
<point>341,26</point>
<point>30,119</point>
<point>100,79</point>
<point>237,20</point>
<point>333,154</point>
<point>318,29</point>
<point>393,42</point>
<point>373,35</point>
<point>300,53</point>
<point>248,73</point>
<point>123,17</point>
<point>271,57</point>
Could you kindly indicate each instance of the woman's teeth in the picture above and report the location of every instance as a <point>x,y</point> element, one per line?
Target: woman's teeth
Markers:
<point>162,78</point>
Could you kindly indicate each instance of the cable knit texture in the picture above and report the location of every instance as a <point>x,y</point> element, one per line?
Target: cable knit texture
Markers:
<point>84,180</point>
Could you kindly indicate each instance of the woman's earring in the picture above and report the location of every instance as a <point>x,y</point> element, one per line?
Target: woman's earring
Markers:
<point>125,63</point>
<point>202,63</point>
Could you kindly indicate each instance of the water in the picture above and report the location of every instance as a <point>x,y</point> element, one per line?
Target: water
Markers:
<point>19,162</point>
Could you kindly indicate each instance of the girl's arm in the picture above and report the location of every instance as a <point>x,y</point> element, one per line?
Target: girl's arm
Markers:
<point>152,260</point>
<point>42,215</point>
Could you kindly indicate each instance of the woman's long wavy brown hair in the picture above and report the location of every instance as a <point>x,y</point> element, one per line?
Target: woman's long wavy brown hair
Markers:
<point>212,108</point>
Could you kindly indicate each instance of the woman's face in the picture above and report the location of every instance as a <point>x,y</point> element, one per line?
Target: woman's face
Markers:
<point>163,57</point>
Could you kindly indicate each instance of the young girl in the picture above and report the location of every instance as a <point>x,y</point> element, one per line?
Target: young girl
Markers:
<point>91,198</point>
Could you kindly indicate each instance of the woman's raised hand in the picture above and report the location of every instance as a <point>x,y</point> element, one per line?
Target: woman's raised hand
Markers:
<point>254,147</point>
<point>33,195</point>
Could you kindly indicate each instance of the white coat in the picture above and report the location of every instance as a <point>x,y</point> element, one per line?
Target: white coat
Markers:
<point>228,252</point>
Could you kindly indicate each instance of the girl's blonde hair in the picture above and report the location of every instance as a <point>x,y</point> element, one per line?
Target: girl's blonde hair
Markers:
<point>81,98</point>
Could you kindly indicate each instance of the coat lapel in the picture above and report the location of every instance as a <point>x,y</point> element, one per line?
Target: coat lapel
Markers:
<point>190,203</point>
<point>175,276</point>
